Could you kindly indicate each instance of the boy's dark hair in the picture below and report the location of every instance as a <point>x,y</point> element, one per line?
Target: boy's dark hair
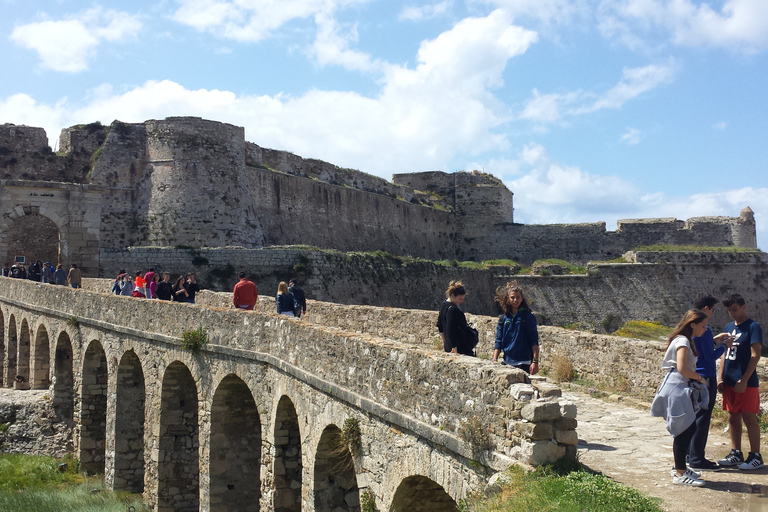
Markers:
<point>293,281</point>
<point>704,300</point>
<point>734,298</point>
<point>241,275</point>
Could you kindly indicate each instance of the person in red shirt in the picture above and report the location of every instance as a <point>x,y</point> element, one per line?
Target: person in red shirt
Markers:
<point>245,293</point>
<point>138,285</point>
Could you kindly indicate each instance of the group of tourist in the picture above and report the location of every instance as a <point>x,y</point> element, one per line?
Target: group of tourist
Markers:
<point>151,285</point>
<point>517,335</point>
<point>44,273</point>
<point>688,391</point>
<point>290,298</point>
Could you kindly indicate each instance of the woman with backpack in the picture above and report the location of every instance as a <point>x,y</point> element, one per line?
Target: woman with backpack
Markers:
<point>516,334</point>
<point>452,324</point>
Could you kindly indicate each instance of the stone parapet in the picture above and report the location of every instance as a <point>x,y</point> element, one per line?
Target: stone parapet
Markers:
<point>421,390</point>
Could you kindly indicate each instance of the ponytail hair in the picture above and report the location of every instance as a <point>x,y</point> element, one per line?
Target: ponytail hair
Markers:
<point>455,288</point>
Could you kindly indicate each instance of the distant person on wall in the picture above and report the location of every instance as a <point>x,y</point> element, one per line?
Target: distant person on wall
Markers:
<point>15,271</point>
<point>36,271</point>
<point>452,323</point>
<point>245,294</point>
<point>164,289</point>
<point>126,286</point>
<point>139,285</point>
<point>682,392</point>
<point>118,282</point>
<point>709,348</point>
<point>192,287</point>
<point>47,272</point>
<point>286,302</point>
<point>179,291</point>
<point>75,277</point>
<point>60,275</point>
<point>739,384</point>
<point>517,334</point>
<point>149,277</point>
<point>152,285</point>
<point>6,270</point>
<point>299,295</point>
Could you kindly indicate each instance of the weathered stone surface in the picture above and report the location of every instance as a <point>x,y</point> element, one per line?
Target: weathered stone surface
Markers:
<point>568,409</point>
<point>540,452</point>
<point>541,411</point>
<point>546,389</point>
<point>566,437</point>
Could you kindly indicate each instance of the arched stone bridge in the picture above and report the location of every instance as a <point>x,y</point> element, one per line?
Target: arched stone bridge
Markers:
<point>255,420</point>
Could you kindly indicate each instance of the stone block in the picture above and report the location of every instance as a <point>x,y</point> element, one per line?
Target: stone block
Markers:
<point>533,431</point>
<point>547,389</point>
<point>568,409</point>
<point>537,453</point>
<point>521,392</point>
<point>566,424</point>
<point>566,437</point>
<point>541,411</point>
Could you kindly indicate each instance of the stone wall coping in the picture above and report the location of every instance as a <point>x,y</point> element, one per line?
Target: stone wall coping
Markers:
<point>52,184</point>
<point>496,460</point>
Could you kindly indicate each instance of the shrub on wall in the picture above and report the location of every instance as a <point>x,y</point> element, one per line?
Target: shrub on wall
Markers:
<point>195,340</point>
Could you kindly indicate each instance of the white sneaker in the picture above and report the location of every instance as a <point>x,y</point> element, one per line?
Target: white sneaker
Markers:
<point>688,478</point>
<point>689,470</point>
<point>754,461</point>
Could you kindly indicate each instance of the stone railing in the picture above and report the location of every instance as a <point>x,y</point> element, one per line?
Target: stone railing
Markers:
<point>417,388</point>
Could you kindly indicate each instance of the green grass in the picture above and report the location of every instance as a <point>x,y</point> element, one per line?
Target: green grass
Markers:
<point>30,483</point>
<point>569,267</point>
<point>693,248</point>
<point>644,330</point>
<point>566,486</point>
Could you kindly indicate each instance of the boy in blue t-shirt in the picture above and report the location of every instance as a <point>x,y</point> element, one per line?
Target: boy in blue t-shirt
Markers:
<point>738,383</point>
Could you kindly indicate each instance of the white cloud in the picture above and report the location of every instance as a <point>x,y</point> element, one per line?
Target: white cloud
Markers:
<point>331,46</point>
<point>739,24</point>
<point>423,115</point>
<point>68,45</point>
<point>551,108</point>
<point>548,11</point>
<point>722,125</point>
<point>632,136</point>
<point>250,20</point>
<point>554,192</point>
<point>425,12</point>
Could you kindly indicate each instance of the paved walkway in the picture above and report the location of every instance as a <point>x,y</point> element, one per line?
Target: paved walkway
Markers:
<point>633,448</point>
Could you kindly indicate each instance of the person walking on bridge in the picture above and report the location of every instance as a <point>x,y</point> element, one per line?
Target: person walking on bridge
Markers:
<point>245,294</point>
<point>517,334</point>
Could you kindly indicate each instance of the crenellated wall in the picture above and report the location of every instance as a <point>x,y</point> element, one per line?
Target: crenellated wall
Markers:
<point>185,181</point>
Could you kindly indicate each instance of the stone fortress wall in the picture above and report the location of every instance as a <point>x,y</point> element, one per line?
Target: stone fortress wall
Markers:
<point>656,286</point>
<point>190,182</point>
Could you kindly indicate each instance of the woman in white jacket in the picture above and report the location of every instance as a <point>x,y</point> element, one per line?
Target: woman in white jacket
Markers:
<point>679,390</point>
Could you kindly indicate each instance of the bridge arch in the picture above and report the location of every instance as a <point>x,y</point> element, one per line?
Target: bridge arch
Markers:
<point>23,359</point>
<point>235,448</point>
<point>63,378</point>
<point>93,411</point>
<point>418,493</point>
<point>335,480</point>
<point>41,360</point>
<point>179,444</point>
<point>288,465</point>
<point>129,424</point>
<point>9,364</point>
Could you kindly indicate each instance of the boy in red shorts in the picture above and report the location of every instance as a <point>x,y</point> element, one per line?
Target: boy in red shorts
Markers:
<point>738,383</point>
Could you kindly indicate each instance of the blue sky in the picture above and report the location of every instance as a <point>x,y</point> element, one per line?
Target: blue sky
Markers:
<point>589,110</point>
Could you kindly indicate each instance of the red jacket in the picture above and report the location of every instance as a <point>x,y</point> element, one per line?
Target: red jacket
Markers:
<point>245,294</point>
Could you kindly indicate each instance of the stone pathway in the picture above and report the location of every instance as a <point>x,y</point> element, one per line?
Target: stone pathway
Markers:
<point>633,448</point>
